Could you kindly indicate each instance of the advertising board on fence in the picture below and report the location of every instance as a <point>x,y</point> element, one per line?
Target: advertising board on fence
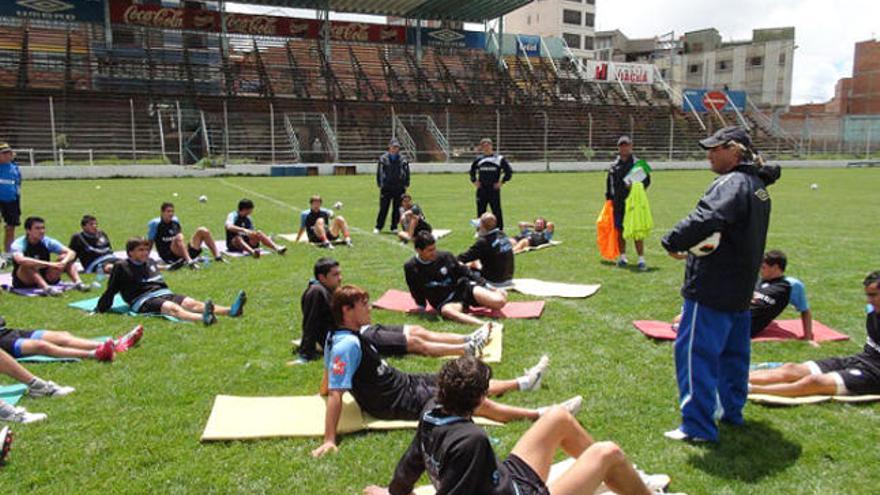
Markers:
<point>704,100</point>
<point>54,10</point>
<point>529,46</point>
<point>625,73</point>
<point>448,38</point>
<point>127,13</point>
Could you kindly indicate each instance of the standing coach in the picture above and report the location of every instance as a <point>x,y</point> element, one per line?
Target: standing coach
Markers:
<point>488,173</point>
<point>712,347</point>
<point>392,177</point>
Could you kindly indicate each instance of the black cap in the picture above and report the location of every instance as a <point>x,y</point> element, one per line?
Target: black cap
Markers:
<point>394,142</point>
<point>727,135</point>
<point>416,209</point>
<point>624,140</point>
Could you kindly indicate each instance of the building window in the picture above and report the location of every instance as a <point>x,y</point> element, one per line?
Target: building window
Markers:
<point>589,19</point>
<point>575,1</point>
<point>663,73</point>
<point>756,61</point>
<point>572,40</point>
<point>571,17</point>
<point>782,59</point>
<point>529,20</point>
<point>694,69</point>
<point>588,42</point>
<point>723,65</point>
<point>591,2</point>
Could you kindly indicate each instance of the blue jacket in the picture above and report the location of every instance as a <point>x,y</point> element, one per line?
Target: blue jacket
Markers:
<point>10,182</point>
<point>738,206</point>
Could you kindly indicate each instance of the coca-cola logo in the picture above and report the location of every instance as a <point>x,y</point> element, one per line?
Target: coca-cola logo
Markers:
<point>203,21</point>
<point>350,32</point>
<point>164,17</point>
<point>298,29</point>
<point>252,24</point>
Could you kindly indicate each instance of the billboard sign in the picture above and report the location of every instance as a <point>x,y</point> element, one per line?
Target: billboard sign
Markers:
<point>54,10</point>
<point>449,38</point>
<point>625,73</point>
<point>528,45</point>
<point>704,100</point>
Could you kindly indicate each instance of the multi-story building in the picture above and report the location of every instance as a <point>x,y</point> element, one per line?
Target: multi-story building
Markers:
<point>571,20</point>
<point>761,66</point>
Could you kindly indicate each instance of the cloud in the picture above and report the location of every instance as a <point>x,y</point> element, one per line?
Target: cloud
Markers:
<point>825,32</point>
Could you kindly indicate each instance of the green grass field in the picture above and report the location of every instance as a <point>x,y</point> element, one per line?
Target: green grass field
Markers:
<point>134,426</point>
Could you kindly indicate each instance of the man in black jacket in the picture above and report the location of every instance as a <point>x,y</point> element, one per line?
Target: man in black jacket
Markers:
<point>92,247</point>
<point>488,173</point>
<point>493,250</point>
<point>392,178</point>
<point>617,190</point>
<point>438,278</point>
<point>459,458</point>
<point>712,345</point>
<point>143,288</point>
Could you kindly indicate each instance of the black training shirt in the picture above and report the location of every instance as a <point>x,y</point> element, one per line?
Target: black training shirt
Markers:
<point>771,298</point>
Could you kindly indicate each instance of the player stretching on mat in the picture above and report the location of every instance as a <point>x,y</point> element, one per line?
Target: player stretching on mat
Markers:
<point>166,233</point>
<point>438,278</point>
<point>141,285</point>
<point>858,374</point>
<point>459,458</point>
<point>320,226</point>
<point>532,235</point>
<point>491,253</point>
<point>22,343</point>
<point>31,263</point>
<point>242,237</point>
<point>92,247</point>
<point>352,364</point>
<point>390,340</point>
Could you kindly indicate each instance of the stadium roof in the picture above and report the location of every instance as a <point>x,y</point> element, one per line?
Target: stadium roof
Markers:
<point>449,10</point>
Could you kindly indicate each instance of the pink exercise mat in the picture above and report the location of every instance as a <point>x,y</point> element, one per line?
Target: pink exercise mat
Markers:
<point>776,331</point>
<point>400,301</point>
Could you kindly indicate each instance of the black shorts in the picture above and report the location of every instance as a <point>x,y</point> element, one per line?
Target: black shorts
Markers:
<point>10,340</point>
<point>860,373</point>
<point>422,388</point>
<point>233,248</point>
<point>313,237</point>
<point>154,304</point>
<point>389,340</point>
<point>11,211</point>
<point>619,210</point>
<point>526,479</point>
<point>18,283</point>
<point>464,294</point>
<point>169,257</point>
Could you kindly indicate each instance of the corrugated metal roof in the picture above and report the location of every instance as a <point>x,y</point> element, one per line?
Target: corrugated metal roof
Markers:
<point>447,10</point>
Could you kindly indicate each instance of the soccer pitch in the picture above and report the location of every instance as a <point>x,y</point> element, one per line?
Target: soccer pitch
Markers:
<point>134,426</point>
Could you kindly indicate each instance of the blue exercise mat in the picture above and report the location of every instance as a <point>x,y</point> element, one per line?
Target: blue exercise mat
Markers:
<point>11,394</point>
<point>119,307</point>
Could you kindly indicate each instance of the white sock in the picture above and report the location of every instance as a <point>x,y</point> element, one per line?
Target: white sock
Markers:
<point>523,382</point>
<point>641,259</point>
<point>623,258</point>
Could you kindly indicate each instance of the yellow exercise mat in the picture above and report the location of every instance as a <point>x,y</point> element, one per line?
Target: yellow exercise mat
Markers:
<point>777,400</point>
<point>540,288</point>
<point>542,246</point>
<point>491,353</point>
<point>440,233</point>
<point>250,418</point>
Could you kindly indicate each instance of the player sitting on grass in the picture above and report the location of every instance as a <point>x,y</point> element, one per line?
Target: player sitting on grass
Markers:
<point>773,292</point>
<point>21,343</point>
<point>412,222</point>
<point>406,203</point>
<point>459,458</point>
<point>532,235</point>
<point>144,289</point>
<point>390,340</point>
<point>92,247</point>
<point>858,374</point>
<point>492,253</point>
<point>438,278</point>
<point>36,387</point>
<point>31,260</point>
<point>320,226</point>
<point>166,233</point>
<point>242,237</point>
<point>353,364</point>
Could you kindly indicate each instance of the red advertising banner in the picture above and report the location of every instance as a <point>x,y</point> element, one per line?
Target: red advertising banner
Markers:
<point>126,13</point>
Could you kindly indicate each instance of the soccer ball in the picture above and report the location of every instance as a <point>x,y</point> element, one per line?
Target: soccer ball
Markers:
<point>97,187</point>
<point>174,194</point>
<point>814,186</point>
<point>203,199</point>
<point>707,246</point>
<point>337,205</point>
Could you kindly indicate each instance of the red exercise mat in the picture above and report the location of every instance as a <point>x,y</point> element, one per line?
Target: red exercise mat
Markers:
<point>777,330</point>
<point>400,301</point>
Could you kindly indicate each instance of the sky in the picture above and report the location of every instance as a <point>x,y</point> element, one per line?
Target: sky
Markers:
<point>825,30</point>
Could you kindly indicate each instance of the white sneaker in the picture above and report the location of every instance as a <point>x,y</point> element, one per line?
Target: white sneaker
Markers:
<point>19,414</point>
<point>681,436</point>
<point>572,405</point>
<point>532,378</point>
<point>375,231</point>
<point>657,483</point>
<point>49,389</point>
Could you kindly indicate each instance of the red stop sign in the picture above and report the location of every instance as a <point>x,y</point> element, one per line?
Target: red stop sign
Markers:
<point>714,99</point>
